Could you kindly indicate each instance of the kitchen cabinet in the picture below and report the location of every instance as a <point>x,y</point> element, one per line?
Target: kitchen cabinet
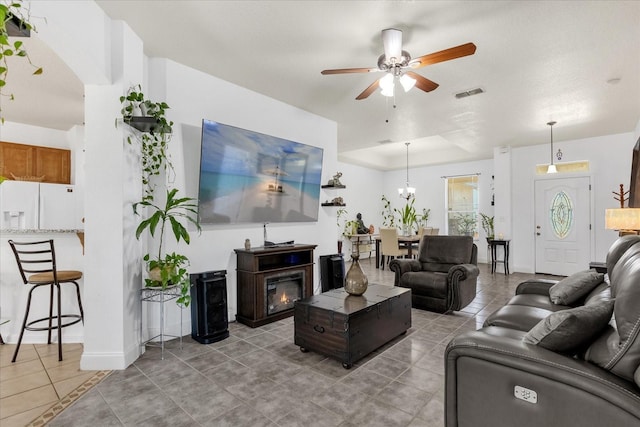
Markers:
<point>31,160</point>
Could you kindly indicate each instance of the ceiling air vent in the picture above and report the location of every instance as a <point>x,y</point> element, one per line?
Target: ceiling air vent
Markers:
<point>385,141</point>
<point>470,92</point>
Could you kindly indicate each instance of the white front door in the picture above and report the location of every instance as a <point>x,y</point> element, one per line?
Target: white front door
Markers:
<point>563,225</point>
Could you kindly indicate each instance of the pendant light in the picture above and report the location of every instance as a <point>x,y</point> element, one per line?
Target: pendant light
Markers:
<point>552,167</point>
<point>407,192</point>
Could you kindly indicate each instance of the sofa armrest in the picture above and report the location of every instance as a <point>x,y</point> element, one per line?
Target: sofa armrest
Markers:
<point>460,272</point>
<point>462,279</point>
<point>535,286</point>
<point>401,266</point>
<point>483,369</point>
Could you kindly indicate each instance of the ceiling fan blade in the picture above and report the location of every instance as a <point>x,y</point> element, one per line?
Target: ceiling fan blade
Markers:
<point>444,55</point>
<point>422,83</point>
<point>368,91</point>
<point>348,70</point>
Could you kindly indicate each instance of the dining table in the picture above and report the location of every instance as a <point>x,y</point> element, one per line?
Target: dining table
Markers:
<point>406,241</point>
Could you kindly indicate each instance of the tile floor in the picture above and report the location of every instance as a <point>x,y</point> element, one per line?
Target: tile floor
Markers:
<point>257,377</point>
<point>37,380</point>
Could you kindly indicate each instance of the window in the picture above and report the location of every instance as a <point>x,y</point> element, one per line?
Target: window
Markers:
<point>462,205</point>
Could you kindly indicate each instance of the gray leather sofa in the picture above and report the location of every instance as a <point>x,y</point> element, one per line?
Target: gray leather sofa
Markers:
<point>494,378</point>
<point>444,276</point>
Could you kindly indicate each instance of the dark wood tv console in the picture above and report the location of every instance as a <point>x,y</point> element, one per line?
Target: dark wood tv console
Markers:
<point>256,266</point>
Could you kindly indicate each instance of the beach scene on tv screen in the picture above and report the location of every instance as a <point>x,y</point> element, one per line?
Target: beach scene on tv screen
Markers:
<point>250,177</point>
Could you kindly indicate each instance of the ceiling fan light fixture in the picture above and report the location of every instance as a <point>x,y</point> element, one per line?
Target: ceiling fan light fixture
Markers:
<point>388,92</point>
<point>407,82</point>
<point>392,41</point>
<point>387,84</point>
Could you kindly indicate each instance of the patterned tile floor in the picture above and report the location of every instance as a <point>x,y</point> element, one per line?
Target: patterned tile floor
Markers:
<point>258,377</point>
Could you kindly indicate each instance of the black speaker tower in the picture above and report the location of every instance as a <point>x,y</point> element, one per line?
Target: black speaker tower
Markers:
<point>209,318</point>
<point>331,272</point>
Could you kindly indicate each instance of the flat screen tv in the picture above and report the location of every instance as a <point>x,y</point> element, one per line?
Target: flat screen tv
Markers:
<point>250,177</point>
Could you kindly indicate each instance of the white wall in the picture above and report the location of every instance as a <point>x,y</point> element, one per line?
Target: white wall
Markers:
<point>192,96</point>
<point>362,195</point>
<point>610,161</point>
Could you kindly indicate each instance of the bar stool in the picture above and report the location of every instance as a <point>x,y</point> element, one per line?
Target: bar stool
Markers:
<point>38,259</point>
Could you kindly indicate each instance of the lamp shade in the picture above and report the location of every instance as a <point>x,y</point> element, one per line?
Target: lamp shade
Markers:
<point>407,82</point>
<point>622,219</point>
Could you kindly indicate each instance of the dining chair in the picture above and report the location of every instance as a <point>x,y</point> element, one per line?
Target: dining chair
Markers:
<point>389,245</point>
<point>37,265</point>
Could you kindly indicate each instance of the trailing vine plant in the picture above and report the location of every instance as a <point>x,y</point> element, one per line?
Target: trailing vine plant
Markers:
<point>153,144</point>
<point>388,214</point>
<point>12,12</point>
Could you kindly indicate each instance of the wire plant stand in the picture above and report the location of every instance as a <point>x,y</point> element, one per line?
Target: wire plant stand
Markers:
<point>160,296</point>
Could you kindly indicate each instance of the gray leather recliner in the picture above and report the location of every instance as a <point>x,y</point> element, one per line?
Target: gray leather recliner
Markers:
<point>443,278</point>
<point>493,378</point>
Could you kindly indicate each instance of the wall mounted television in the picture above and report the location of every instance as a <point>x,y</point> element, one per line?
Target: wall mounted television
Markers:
<point>250,177</point>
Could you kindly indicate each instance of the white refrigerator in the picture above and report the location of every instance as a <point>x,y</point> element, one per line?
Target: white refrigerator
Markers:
<point>32,205</point>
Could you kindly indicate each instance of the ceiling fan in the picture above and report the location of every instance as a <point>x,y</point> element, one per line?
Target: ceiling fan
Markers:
<point>397,63</point>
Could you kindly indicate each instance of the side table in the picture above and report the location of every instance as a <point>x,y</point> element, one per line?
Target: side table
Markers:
<point>493,244</point>
<point>160,296</point>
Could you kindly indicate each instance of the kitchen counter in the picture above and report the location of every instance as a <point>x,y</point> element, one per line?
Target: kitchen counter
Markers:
<point>37,231</point>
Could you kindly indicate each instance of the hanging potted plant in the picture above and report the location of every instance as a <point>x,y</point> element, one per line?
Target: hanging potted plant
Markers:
<point>153,136</point>
<point>169,269</point>
<point>14,21</point>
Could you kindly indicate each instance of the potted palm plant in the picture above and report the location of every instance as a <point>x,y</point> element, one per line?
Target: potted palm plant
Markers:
<point>169,269</point>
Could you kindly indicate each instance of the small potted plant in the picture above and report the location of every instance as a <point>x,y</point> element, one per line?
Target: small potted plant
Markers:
<point>466,224</point>
<point>169,269</point>
<point>487,226</point>
<point>423,218</point>
<point>340,216</point>
<point>408,217</point>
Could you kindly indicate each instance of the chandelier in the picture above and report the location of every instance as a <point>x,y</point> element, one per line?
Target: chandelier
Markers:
<point>552,168</point>
<point>407,192</point>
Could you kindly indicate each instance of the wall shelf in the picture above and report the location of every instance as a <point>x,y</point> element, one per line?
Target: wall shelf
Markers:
<point>333,204</point>
<point>333,186</point>
<point>15,27</point>
<point>142,123</point>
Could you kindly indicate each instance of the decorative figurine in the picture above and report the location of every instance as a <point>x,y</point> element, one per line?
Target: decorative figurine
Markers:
<point>336,179</point>
<point>247,244</point>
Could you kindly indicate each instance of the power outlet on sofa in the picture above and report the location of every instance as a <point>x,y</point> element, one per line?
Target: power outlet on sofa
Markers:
<point>525,394</point>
